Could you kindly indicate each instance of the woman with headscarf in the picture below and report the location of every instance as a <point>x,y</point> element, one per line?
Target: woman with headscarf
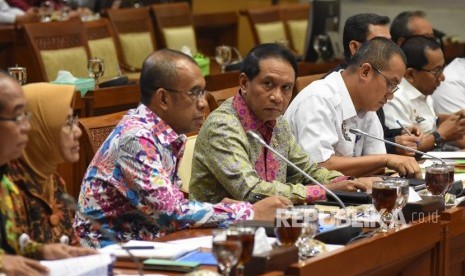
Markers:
<point>54,139</point>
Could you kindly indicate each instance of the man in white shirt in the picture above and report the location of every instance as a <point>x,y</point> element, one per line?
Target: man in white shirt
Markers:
<point>449,97</point>
<point>11,15</point>
<point>322,114</point>
<point>412,105</point>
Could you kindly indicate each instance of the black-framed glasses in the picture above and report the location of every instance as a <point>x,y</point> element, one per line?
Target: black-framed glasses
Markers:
<point>19,119</point>
<point>436,72</point>
<point>195,94</point>
<point>72,121</point>
<point>392,87</point>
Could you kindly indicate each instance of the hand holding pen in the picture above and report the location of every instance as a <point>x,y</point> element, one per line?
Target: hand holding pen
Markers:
<point>411,138</point>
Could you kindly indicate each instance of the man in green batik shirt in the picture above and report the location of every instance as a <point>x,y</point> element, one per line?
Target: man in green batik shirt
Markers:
<point>229,163</point>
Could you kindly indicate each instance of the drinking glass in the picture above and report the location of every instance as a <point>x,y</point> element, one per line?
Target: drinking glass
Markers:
<point>46,11</point>
<point>401,200</point>
<point>223,55</point>
<point>226,252</point>
<point>451,168</point>
<point>246,235</point>
<point>321,45</point>
<point>65,10</point>
<point>19,73</point>
<point>305,243</point>
<point>288,225</point>
<point>437,179</point>
<point>96,69</point>
<point>385,195</point>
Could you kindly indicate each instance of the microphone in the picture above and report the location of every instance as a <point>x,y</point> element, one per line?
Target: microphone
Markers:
<point>70,202</point>
<point>357,131</point>
<point>260,140</point>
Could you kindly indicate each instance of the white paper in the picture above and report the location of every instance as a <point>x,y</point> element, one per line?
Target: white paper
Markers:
<point>412,195</point>
<point>92,265</point>
<point>446,154</point>
<point>162,250</point>
<point>261,243</point>
<point>204,242</point>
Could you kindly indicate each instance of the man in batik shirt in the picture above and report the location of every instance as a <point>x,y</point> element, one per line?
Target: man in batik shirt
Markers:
<point>229,163</point>
<point>131,186</point>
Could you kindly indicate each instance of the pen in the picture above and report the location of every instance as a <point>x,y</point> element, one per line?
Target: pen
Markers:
<point>138,247</point>
<point>404,128</point>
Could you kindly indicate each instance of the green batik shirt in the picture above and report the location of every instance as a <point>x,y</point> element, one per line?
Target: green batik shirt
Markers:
<point>229,163</point>
<point>8,231</point>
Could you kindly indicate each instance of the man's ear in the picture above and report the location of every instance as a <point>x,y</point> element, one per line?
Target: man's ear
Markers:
<point>243,82</point>
<point>410,75</point>
<point>364,70</point>
<point>353,47</point>
<point>160,98</point>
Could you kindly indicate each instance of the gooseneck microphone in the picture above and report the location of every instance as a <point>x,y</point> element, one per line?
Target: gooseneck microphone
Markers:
<point>260,140</point>
<point>70,202</point>
<point>357,131</point>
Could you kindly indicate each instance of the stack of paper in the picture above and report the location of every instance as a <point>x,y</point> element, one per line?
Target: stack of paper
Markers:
<point>147,249</point>
<point>92,265</point>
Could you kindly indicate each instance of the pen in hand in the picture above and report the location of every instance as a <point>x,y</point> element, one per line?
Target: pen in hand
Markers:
<point>406,130</point>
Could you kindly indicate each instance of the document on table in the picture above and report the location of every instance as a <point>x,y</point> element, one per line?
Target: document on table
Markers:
<point>92,265</point>
<point>446,154</point>
<point>148,249</point>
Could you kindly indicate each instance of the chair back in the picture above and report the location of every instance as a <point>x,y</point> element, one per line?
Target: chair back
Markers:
<point>135,34</point>
<point>221,81</point>
<point>185,167</point>
<point>113,99</point>
<point>59,46</point>
<point>95,130</point>
<point>224,94</point>
<point>175,26</point>
<point>266,24</point>
<point>295,17</point>
<point>304,81</point>
<point>102,45</point>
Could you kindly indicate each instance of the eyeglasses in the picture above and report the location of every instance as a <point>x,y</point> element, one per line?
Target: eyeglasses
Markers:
<point>20,119</point>
<point>436,72</point>
<point>196,94</point>
<point>392,87</point>
<point>71,121</point>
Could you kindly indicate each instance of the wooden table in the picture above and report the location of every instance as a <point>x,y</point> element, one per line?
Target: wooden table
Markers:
<point>453,234</point>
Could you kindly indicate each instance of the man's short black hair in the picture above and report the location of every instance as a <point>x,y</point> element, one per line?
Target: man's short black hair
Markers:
<point>159,71</point>
<point>251,64</point>
<point>415,48</point>
<point>378,52</point>
<point>356,28</point>
<point>400,24</point>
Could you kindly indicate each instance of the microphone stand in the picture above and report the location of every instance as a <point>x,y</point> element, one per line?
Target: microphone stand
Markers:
<point>260,140</point>
<point>357,131</point>
<point>71,203</point>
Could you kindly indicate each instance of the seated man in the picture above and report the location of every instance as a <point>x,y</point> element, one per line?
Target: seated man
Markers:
<point>449,97</point>
<point>410,23</point>
<point>323,113</point>
<point>14,129</point>
<point>229,163</point>
<point>412,104</point>
<point>358,29</point>
<point>131,186</point>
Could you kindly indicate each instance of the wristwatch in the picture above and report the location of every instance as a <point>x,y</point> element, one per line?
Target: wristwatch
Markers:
<point>438,140</point>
